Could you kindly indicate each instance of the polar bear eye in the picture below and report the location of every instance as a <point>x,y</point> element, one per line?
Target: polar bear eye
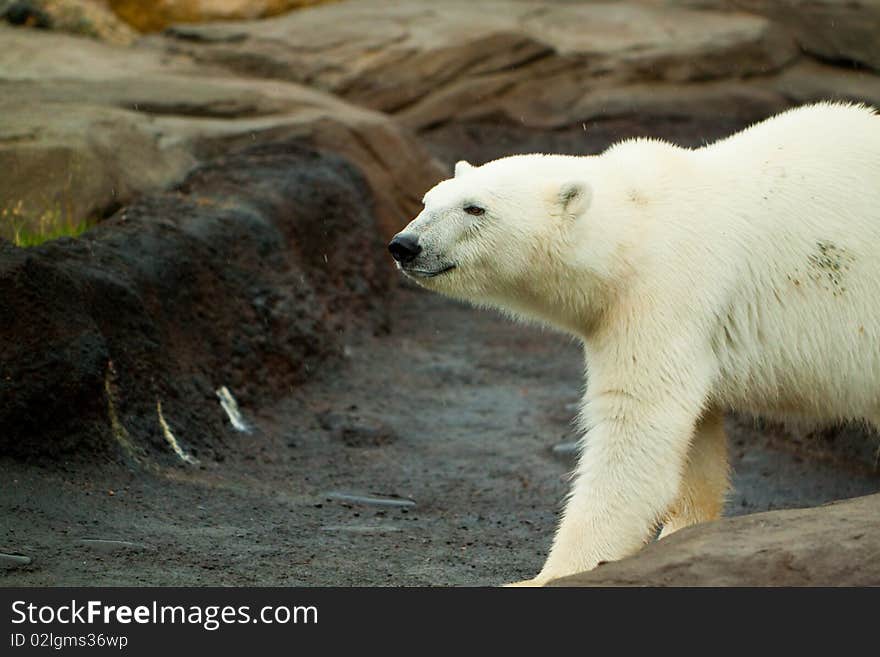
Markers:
<point>474,210</point>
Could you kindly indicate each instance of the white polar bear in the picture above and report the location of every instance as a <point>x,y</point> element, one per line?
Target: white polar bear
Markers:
<point>742,275</point>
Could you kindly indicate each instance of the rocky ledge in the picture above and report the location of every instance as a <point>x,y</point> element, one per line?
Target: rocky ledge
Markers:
<point>833,545</point>
<point>492,77</point>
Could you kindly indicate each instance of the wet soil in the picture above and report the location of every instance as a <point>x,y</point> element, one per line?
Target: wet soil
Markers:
<point>424,456</point>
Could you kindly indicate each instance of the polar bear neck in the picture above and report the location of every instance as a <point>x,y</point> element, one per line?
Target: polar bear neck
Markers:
<point>564,298</point>
<point>571,287</point>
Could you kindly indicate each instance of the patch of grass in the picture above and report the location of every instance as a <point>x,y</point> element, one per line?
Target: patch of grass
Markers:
<point>24,237</point>
<point>25,231</point>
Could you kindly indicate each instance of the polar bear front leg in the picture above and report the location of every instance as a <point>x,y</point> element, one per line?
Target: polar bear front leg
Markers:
<point>628,476</point>
<point>706,477</point>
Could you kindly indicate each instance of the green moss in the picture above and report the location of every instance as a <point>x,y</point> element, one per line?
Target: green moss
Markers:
<point>25,231</point>
<point>24,237</point>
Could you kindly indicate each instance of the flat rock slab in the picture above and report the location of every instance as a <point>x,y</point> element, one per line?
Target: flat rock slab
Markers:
<point>370,500</point>
<point>536,62</point>
<point>110,545</point>
<point>361,529</point>
<point>833,545</point>
<point>12,561</point>
<point>580,74</point>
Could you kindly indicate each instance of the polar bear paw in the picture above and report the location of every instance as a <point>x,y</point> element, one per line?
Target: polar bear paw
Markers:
<point>528,583</point>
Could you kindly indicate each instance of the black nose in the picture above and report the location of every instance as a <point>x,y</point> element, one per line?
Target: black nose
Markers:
<point>404,248</point>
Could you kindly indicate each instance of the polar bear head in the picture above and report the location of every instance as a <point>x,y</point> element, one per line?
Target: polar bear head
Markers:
<point>503,234</point>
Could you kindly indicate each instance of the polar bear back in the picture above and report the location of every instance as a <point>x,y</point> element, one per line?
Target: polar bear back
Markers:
<point>789,211</point>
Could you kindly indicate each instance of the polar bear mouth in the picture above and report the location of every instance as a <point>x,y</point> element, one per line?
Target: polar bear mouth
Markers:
<point>425,273</point>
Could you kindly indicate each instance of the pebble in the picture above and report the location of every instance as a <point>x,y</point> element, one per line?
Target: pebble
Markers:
<point>371,500</point>
<point>109,545</point>
<point>356,430</point>
<point>11,561</point>
<point>361,529</point>
<point>566,450</point>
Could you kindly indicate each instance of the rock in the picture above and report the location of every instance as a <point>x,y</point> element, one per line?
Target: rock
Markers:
<point>370,500</point>
<point>258,262</point>
<point>566,451</point>
<point>811,81</point>
<point>13,561</point>
<point>357,429</point>
<point>532,63</point>
<point>110,545</point>
<point>833,545</point>
<point>154,15</point>
<point>90,18</point>
<point>835,31</point>
<point>66,159</point>
<point>230,406</point>
<point>53,362</point>
<point>134,120</point>
<point>483,80</point>
<point>398,168</point>
<point>22,12</point>
<point>361,529</point>
<point>47,56</point>
<point>65,163</point>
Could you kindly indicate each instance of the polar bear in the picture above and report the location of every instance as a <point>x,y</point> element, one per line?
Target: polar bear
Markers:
<point>741,275</point>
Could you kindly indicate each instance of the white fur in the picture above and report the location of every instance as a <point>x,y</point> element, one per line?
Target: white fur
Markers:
<point>742,275</point>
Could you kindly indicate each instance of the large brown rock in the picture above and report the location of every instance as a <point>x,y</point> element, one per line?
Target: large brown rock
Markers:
<point>534,63</point>
<point>834,545</point>
<point>91,18</point>
<point>64,163</point>
<point>480,80</point>
<point>810,81</point>
<point>88,127</point>
<point>839,31</point>
<point>153,15</point>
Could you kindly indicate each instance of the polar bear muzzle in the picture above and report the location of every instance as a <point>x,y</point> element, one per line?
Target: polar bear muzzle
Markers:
<point>404,248</point>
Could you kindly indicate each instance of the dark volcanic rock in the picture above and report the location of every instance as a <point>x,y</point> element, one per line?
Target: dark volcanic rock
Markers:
<point>53,357</point>
<point>245,276</point>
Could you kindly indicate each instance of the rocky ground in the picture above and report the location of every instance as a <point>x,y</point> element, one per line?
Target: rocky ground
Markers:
<point>243,177</point>
<point>447,426</point>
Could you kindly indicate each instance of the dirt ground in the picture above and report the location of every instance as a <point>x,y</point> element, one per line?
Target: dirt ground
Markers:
<point>448,422</point>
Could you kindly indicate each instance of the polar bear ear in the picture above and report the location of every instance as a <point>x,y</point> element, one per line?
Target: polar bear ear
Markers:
<point>462,167</point>
<point>573,198</point>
